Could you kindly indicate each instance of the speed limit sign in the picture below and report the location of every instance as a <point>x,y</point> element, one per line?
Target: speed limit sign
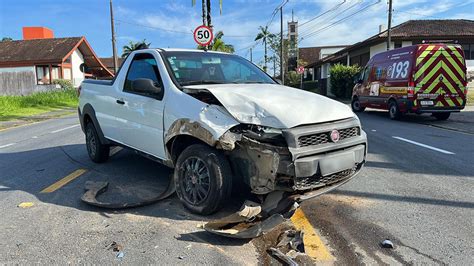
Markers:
<point>203,35</point>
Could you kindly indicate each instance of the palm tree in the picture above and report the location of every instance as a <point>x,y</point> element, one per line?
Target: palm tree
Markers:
<point>206,15</point>
<point>219,45</point>
<point>133,46</point>
<point>264,35</point>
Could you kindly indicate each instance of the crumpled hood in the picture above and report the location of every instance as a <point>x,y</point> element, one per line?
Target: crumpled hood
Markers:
<point>275,105</point>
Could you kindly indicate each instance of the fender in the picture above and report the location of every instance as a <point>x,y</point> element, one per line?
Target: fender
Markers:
<point>185,126</point>
<point>89,110</point>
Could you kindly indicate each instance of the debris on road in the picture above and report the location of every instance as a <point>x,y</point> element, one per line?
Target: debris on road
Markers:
<point>115,247</point>
<point>25,205</point>
<point>387,244</point>
<point>94,189</point>
<point>120,255</point>
<point>254,219</point>
<point>280,255</point>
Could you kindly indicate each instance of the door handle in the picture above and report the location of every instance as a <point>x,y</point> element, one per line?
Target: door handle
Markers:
<point>119,101</point>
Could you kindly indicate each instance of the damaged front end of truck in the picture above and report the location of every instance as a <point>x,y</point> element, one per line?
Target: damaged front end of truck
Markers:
<point>284,166</point>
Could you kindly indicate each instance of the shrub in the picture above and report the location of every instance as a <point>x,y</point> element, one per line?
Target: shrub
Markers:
<point>64,84</point>
<point>342,79</point>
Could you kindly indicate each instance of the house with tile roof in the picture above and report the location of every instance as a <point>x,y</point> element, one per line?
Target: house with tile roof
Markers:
<point>460,31</point>
<point>32,64</point>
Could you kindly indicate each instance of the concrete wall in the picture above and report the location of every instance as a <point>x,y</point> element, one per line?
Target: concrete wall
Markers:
<point>76,60</point>
<point>20,81</point>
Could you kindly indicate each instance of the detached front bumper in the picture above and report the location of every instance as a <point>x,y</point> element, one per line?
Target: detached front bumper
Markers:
<point>310,162</point>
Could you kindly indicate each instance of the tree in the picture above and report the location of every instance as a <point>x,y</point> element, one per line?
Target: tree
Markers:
<point>6,39</point>
<point>133,46</point>
<point>206,11</point>
<point>274,43</point>
<point>264,35</point>
<point>219,45</point>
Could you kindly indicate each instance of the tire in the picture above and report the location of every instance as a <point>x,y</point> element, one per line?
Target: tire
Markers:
<point>356,107</point>
<point>394,111</point>
<point>442,116</point>
<point>203,179</point>
<point>97,151</point>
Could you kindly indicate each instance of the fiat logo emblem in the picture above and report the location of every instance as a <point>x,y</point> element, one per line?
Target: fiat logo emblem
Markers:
<point>335,135</point>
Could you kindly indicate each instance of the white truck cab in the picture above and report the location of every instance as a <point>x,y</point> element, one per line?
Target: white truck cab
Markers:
<point>217,119</point>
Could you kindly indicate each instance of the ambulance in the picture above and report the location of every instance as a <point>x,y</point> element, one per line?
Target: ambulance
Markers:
<point>423,78</point>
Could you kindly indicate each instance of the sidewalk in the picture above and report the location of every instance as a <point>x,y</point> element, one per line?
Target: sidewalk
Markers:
<point>462,121</point>
<point>36,118</point>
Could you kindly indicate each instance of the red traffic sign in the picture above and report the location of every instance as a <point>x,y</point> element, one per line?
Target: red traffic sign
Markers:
<point>203,35</point>
<point>300,70</point>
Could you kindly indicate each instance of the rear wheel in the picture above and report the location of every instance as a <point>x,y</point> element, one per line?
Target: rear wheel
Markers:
<point>203,179</point>
<point>442,116</point>
<point>356,106</point>
<point>98,152</point>
<point>394,111</point>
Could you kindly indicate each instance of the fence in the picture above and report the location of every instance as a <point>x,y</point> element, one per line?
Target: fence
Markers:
<point>20,83</point>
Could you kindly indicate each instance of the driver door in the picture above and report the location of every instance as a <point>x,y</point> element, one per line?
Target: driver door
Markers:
<point>141,115</point>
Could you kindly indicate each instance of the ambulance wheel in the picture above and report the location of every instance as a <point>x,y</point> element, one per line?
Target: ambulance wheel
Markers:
<point>394,111</point>
<point>356,107</point>
<point>442,116</point>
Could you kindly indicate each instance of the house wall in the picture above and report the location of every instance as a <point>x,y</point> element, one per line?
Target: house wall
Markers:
<point>328,51</point>
<point>20,81</point>
<point>76,60</point>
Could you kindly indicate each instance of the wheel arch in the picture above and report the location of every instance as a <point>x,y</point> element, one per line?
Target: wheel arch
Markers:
<point>88,115</point>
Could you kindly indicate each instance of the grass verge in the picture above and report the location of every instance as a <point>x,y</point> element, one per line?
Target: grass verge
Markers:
<point>470,98</point>
<point>17,107</point>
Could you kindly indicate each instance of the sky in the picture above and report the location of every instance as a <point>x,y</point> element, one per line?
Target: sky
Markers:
<point>169,23</point>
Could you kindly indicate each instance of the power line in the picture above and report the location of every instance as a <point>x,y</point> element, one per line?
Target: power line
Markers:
<point>335,16</point>
<point>339,21</point>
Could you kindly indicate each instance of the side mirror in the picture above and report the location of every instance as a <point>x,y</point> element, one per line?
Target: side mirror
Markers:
<point>146,86</point>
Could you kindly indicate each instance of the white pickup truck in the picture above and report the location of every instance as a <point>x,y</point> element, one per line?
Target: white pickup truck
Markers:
<point>217,119</point>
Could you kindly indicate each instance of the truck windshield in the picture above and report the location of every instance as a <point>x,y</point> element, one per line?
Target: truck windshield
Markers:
<point>192,68</point>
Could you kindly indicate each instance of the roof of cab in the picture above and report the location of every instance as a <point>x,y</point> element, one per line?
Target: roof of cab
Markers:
<point>188,50</point>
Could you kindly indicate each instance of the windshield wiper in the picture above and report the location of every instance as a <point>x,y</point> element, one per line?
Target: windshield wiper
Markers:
<point>197,82</point>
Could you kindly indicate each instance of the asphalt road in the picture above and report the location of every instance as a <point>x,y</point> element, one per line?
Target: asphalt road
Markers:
<point>418,195</point>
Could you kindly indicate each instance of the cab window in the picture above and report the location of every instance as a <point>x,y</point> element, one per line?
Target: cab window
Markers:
<point>365,74</point>
<point>143,66</point>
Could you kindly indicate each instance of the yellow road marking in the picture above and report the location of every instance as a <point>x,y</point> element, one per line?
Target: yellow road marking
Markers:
<point>313,244</point>
<point>26,204</point>
<point>64,181</point>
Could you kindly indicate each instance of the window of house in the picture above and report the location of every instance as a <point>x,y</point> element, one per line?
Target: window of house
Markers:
<point>398,45</point>
<point>468,51</point>
<point>143,66</point>
<point>42,75</point>
<point>55,72</point>
<point>67,73</point>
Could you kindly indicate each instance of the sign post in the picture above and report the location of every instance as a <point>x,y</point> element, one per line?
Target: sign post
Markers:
<point>300,71</point>
<point>203,35</point>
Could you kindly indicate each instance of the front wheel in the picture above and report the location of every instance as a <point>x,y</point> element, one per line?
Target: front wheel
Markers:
<point>203,179</point>
<point>394,111</point>
<point>441,116</point>
<point>356,106</point>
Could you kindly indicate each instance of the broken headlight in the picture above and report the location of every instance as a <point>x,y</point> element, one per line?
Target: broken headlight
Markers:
<point>264,134</point>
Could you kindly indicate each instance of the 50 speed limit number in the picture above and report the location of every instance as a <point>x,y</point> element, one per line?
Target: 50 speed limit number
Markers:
<point>203,35</point>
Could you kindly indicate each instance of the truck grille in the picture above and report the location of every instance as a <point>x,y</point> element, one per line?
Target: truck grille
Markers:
<point>305,183</point>
<point>323,138</point>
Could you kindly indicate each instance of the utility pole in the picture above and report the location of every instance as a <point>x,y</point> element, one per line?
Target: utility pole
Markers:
<point>251,56</point>
<point>389,39</point>
<point>282,65</point>
<point>114,49</point>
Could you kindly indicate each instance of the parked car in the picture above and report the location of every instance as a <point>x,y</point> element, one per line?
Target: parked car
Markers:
<point>423,78</point>
<point>217,119</point>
